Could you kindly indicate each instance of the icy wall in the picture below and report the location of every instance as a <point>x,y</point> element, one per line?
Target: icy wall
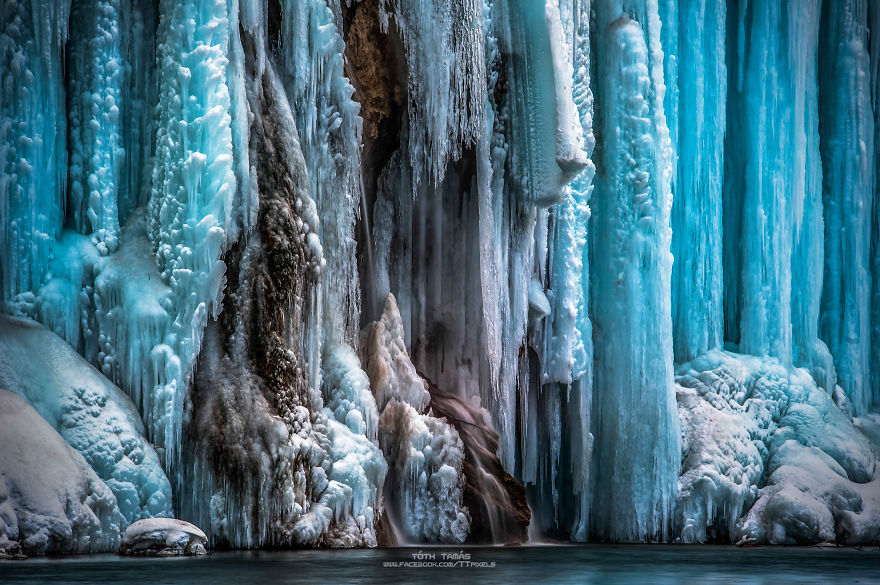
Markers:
<point>635,240</point>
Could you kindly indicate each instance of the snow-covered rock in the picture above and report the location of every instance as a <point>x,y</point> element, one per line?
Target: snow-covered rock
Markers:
<point>163,537</point>
<point>88,411</point>
<point>769,456</point>
<point>50,499</point>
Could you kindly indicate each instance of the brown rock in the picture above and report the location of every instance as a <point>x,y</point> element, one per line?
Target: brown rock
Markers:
<point>496,501</point>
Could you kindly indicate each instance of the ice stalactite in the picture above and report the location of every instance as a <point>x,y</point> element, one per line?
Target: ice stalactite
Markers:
<point>33,139</point>
<point>847,156</point>
<point>696,84</point>
<point>95,98</point>
<point>446,85</point>
<point>423,218</point>
<point>330,132</point>
<point>635,421</point>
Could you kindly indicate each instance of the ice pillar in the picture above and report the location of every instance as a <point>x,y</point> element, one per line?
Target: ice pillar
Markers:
<point>696,96</point>
<point>847,162</point>
<point>636,454</point>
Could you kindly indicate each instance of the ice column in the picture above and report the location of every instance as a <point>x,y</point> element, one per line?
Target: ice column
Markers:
<point>695,109</point>
<point>847,159</point>
<point>193,189</point>
<point>636,456</point>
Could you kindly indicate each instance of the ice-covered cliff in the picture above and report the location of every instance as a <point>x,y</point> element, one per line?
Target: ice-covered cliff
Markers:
<point>630,246</point>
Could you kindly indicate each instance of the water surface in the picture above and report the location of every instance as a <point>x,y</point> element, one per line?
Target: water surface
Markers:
<point>590,564</point>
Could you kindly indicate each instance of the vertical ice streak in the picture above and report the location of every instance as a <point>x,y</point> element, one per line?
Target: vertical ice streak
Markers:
<point>567,372</point>
<point>847,158</point>
<point>772,213</point>
<point>757,181</point>
<point>138,21</point>
<point>874,24</point>
<point>636,455</point>
<point>695,110</point>
<point>33,157</point>
<point>95,99</point>
<point>806,180</point>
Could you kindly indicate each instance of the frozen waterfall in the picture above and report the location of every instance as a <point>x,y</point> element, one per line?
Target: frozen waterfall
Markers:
<point>378,272</point>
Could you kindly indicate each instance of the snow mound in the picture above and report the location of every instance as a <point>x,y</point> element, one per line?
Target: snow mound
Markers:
<point>88,411</point>
<point>770,456</point>
<point>50,500</point>
<point>163,537</point>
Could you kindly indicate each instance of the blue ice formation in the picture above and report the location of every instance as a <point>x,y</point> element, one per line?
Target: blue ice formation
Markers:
<point>639,237</point>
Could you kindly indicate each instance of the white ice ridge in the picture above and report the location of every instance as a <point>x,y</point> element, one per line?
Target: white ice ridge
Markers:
<point>193,189</point>
<point>90,413</point>
<point>329,131</point>
<point>425,481</point>
<point>50,499</point>
<point>768,455</point>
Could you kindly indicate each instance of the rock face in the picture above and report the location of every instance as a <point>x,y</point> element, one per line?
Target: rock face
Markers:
<point>497,502</point>
<point>163,537</point>
<point>50,499</point>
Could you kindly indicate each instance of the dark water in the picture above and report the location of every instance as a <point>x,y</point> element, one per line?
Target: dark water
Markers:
<point>532,565</point>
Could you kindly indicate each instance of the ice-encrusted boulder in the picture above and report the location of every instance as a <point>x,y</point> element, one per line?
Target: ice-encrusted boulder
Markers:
<point>94,416</point>
<point>425,485</point>
<point>50,499</point>
<point>163,537</point>
<point>770,457</point>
